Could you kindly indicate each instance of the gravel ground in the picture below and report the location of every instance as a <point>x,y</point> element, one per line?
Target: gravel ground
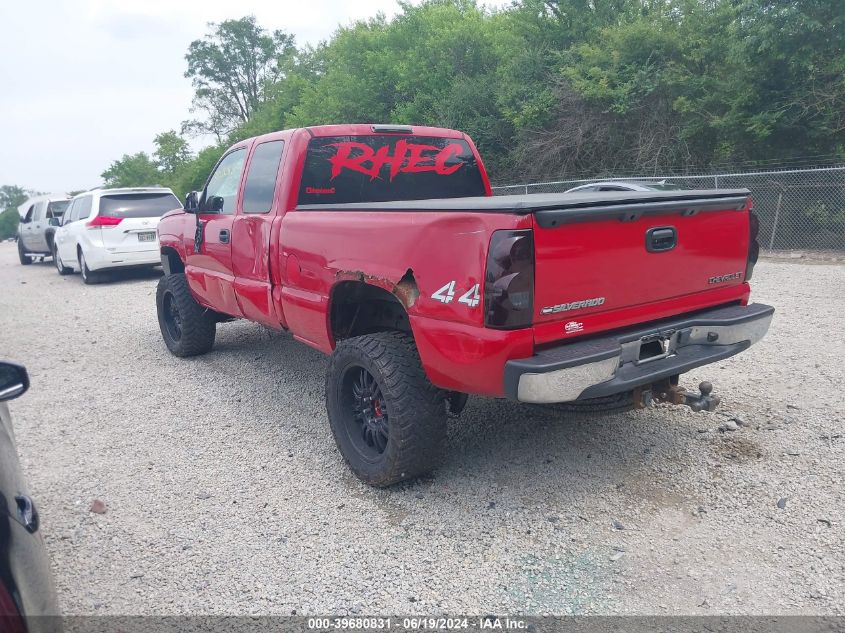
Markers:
<point>225,494</point>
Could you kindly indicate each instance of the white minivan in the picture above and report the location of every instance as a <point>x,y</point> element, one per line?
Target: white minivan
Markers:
<point>105,229</point>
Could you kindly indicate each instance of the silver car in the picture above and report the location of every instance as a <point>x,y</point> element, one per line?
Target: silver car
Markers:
<point>625,185</point>
<point>39,218</point>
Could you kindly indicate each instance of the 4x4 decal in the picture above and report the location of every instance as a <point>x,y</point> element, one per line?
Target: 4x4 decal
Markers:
<point>445,294</point>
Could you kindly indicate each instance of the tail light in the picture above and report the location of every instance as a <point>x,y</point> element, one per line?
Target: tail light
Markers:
<point>509,282</point>
<point>753,244</point>
<point>11,620</point>
<point>102,221</point>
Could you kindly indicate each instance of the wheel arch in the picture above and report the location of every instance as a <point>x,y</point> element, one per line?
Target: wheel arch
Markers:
<point>171,262</point>
<point>359,304</point>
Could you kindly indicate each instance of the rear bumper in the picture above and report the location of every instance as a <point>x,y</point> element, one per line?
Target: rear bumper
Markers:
<point>620,362</point>
<point>101,259</point>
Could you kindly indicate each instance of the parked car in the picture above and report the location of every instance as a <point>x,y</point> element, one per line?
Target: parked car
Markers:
<point>40,217</point>
<point>625,185</point>
<point>26,584</point>
<point>383,247</point>
<point>105,229</point>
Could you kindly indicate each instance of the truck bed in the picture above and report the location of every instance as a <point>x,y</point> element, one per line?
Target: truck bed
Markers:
<point>563,207</point>
<point>595,267</point>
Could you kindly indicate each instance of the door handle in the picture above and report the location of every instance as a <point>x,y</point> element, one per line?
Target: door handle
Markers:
<point>27,513</point>
<point>661,239</point>
<point>224,236</point>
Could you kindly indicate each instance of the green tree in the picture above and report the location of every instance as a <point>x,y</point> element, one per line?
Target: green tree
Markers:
<point>9,220</point>
<point>11,197</point>
<point>172,152</point>
<point>546,88</point>
<point>433,64</point>
<point>232,69</point>
<point>135,170</point>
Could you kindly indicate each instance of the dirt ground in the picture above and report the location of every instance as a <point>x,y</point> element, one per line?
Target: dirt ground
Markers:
<point>225,494</point>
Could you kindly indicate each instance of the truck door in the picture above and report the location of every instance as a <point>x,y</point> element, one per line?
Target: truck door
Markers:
<point>209,256</point>
<point>251,234</point>
<point>27,227</point>
<point>39,228</point>
<point>62,236</point>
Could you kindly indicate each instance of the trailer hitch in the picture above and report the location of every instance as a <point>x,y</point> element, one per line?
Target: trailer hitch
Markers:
<point>669,391</point>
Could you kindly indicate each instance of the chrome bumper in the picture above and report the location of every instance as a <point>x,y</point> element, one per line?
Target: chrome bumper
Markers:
<point>635,357</point>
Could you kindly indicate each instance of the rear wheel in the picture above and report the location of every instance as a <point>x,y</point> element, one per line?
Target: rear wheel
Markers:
<point>188,328</point>
<point>88,276</point>
<point>26,260</point>
<point>388,420</point>
<point>63,270</point>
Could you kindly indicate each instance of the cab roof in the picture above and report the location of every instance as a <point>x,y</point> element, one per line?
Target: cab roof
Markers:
<point>366,129</point>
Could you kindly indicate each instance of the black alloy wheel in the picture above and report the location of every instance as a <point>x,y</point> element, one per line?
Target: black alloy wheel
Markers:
<point>366,421</point>
<point>172,318</point>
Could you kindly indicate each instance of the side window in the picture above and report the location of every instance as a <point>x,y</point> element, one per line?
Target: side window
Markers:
<point>261,178</point>
<point>223,184</point>
<point>67,218</point>
<point>82,208</point>
<point>612,188</point>
<point>29,213</point>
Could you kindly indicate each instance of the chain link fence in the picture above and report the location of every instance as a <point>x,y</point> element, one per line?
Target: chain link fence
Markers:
<point>798,208</point>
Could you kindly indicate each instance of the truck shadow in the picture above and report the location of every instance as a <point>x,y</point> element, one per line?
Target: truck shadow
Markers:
<point>112,277</point>
<point>109,277</point>
<point>528,447</point>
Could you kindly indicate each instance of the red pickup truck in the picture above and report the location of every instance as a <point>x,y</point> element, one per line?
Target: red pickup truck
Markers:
<point>383,246</point>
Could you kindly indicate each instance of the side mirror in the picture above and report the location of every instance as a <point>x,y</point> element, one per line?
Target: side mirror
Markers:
<point>54,221</point>
<point>215,204</point>
<point>14,381</point>
<point>192,202</point>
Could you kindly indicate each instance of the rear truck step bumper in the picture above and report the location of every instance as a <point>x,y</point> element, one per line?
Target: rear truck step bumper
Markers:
<point>635,357</point>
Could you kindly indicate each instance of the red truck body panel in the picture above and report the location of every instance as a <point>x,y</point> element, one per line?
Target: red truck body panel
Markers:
<point>280,268</point>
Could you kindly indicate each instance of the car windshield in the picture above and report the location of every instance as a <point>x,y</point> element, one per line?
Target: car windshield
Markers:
<point>138,205</point>
<point>57,208</point>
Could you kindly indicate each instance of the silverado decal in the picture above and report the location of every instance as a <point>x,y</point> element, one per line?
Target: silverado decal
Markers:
<point>407,158</point>
<point>720,278</point>
<point>575,305</point>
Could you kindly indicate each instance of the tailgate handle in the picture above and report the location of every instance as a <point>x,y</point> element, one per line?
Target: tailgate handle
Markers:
<point>661,239</point>
<point>224,236</point>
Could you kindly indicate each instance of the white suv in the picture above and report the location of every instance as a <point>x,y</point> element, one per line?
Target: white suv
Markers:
<point>111,228</point>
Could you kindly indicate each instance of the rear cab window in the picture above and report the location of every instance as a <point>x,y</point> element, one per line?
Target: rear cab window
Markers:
<point>385,167</point>
<point>57,208</point>
<point>138,205</point>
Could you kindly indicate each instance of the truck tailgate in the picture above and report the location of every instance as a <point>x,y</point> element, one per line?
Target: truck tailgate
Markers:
<point>613,258</point>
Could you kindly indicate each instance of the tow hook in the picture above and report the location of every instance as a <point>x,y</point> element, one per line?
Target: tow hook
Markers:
<point>674,394</point>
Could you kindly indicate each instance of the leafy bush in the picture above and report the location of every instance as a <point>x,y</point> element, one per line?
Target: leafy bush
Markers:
<point>9,221</point>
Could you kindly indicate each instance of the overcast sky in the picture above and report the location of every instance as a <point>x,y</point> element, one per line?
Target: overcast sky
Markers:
<point>83,82</point>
